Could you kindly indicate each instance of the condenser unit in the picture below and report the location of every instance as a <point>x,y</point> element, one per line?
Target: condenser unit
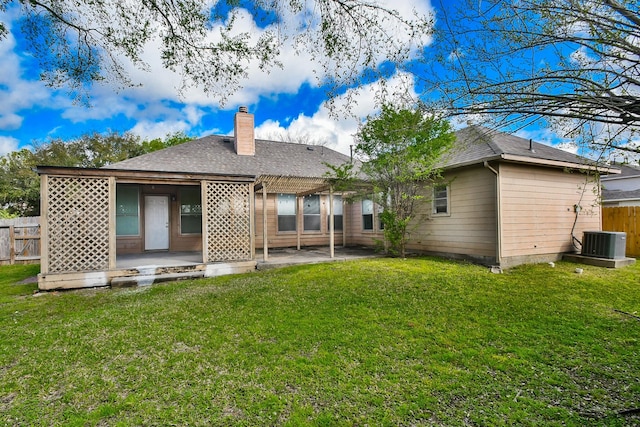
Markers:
<point>604,244</point>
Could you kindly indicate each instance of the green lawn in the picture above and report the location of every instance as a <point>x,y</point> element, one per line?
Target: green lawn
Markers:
<point>376,342</point>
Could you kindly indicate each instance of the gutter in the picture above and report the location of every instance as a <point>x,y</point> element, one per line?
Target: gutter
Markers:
<point>498,211</point>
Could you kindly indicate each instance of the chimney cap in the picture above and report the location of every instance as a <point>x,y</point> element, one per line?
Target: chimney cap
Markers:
<point>243,109</point>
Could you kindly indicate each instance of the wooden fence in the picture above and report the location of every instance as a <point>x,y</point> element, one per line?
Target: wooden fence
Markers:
<point>20,240</point>
<point>624,218</point>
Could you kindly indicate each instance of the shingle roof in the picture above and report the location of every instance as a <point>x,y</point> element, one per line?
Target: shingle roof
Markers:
<point>216,155</point>
<point>626,171</point>
<point>609,195</point>
<point>476,144</point>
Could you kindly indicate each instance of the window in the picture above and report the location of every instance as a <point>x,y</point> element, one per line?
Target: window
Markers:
<point>367,215</point>
<point>190,210</point>
<point>380,223</point>
<point>337,214</point>
<point>286,212</point>
<point>441,199</point>
<point>127,210</point>
<point>311,211</point>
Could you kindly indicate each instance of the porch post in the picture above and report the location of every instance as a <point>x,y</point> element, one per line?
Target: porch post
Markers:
<point>112,223</point>
<point>344,223</point>
<point>265,234</point>
<point>204,203</point>
<point>299,224</point>
<point>331,224</point>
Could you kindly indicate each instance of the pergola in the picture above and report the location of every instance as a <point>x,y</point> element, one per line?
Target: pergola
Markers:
<point>301,187</point>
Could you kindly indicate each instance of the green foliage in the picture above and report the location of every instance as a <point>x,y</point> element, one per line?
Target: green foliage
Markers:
<point>400,149</point>
<point>209,44</point>
<point>381,342</point>
<point>20,184</point>
<point>166,142</point>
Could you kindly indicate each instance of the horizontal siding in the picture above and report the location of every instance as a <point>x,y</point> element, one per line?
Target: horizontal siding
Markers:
<point>278,239</point>
<point>538,209</point>
<point>470,229</point>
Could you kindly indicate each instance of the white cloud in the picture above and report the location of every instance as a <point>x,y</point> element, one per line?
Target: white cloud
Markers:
<point>17,94</point>
<point>152,130</point>
<point>7,145</point>
<point>339,131</point>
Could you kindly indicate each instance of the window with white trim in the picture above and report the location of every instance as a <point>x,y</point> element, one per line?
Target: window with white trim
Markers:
<point>441,199</point>
<point>311,212</point>
<point>367,214</point>
<point>337,213</point>
<point>286,212</point>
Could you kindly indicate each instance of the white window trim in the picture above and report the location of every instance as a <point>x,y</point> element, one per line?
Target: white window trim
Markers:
<point>433,202</point>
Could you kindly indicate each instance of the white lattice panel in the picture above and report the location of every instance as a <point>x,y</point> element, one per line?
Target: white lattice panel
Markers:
<point>228,219</point>
<point>78,224</point>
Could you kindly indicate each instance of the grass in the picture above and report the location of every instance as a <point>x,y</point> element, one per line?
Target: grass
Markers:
<point>377,342</point>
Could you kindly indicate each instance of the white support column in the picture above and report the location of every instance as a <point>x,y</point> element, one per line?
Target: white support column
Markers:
<point>344,223</point>
<point>299,224</point>
<point>331,224</point>
<point>265,234</point>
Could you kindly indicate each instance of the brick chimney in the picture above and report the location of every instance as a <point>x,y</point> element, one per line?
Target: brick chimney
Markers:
<point>243,131</point>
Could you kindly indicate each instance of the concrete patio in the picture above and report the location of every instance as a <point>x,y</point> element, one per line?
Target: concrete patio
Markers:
<point>279,257</point>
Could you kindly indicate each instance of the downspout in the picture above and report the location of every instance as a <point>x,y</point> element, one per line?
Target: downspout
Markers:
<point>498,214</point>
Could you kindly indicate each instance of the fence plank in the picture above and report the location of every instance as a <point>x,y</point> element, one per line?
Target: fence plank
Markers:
<point>624,218</point>
<point>20,240</point>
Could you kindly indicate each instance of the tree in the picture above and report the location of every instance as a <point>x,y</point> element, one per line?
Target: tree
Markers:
<point>207,43</point>
<point>20,184</point>
<point>400,150</point>
<point>574,64</point>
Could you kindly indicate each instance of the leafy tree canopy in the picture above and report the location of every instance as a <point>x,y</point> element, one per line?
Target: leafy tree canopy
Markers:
<point>211,44</point>
<point>20,184</point>
<point>400,151</point>
<point>574,64</point>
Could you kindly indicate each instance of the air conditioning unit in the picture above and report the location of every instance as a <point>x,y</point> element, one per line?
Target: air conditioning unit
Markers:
<point>604,244</point>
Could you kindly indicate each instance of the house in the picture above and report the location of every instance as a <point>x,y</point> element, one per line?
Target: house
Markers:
<point>504,201</point>
<point>622,189</point>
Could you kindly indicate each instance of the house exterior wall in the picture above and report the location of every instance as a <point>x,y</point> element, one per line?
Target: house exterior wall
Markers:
<point>178,242</point>
<point>356,234</point>
<point>469,228</point>
<point>283,239</point>
<point>537,211</point>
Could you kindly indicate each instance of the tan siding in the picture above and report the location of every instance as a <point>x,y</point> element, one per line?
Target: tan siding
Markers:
<point>289,239</point>
<point>470,229</point>
<point>538,209</point>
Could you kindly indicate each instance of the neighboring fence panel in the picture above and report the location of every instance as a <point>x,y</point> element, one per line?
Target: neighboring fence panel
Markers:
<point>20,240</point>
<point>624,218</point>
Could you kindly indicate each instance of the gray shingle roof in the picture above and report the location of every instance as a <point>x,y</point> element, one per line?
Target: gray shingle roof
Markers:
<point>216,155</point>
<point>476,144</point>
<point>608,195</point>
<point>626,171</point>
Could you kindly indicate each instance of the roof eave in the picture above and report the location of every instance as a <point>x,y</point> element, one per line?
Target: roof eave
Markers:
<point>130,174</point>
<point>558,164</point>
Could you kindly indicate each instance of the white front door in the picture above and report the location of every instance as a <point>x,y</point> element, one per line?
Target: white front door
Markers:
<point>156,222</point>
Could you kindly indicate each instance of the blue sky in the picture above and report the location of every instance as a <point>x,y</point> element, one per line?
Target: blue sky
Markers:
<point>285,100</point>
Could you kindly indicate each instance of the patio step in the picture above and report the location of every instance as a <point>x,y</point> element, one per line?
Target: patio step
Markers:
<point>144,280</point>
